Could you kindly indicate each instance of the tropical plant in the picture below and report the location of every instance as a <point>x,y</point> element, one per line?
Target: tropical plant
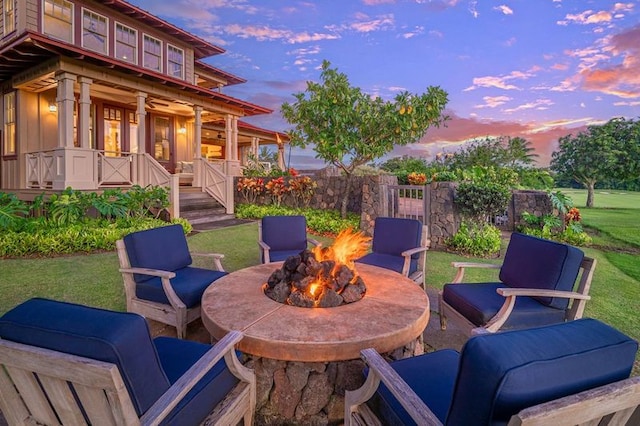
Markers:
<point>479,201</point>
<point>417,178</point>
<point>12,211</point>
<point>349,128</point>
<point>474,240</point>
<point>302,189</point>
<point>277,188</point>
<point>250,188</point>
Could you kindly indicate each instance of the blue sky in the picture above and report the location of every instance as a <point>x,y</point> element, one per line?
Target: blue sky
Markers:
<point>538,69</point>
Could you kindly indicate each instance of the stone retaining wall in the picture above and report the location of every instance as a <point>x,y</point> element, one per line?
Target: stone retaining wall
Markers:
<point>368,199</point>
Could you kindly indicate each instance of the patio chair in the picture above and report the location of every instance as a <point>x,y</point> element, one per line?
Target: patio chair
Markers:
<point>400,245</point>
<point>62,363</point>
<point>536,284</point>
<point>282,236</point>
<point>159,281</point>
<point>563,374</point>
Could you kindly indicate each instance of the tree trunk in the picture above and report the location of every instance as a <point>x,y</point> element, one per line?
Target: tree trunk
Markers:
<point>345,197</point>
<point>590,189</point>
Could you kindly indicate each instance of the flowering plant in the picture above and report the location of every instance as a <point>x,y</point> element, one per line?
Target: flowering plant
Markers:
<point>573,215</point>
<point>417,178</point>
<point>302,189</point>
<point>277,188</point>
<point>250,188</point>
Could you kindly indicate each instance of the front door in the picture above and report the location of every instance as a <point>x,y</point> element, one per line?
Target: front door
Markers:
<point>163,142</point>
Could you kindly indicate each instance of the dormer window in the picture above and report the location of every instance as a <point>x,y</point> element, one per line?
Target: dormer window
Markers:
<point>94,32</point>
<point>152,53</point>
<point>57,19</point>
<point>175,62</point>
<point>126,44</point>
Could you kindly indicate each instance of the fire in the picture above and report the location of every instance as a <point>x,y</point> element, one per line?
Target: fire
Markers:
<point>323,277</point>
<point>347,247</point>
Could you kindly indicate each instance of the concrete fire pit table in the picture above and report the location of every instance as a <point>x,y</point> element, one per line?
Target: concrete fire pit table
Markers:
<point>304,357</point>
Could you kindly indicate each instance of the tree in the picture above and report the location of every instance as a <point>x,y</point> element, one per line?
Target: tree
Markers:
<point>495,152</point>
<point>518,152</point>
<point>608,151</point>
<point>349,128</point>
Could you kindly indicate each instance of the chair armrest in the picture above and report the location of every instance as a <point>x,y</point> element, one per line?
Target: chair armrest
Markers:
<point>167,402</point>
<point>314,242</point>
<point>537,292</point>
<point>462,265</point>
<point>380,370</point>
<point>266,258</point>
<point>511,294</point>
<point>411,252</point>
<point>146,271</point>
<point>217,257</point>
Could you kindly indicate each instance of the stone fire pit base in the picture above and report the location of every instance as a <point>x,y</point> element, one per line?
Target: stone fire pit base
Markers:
<point>310,393</point>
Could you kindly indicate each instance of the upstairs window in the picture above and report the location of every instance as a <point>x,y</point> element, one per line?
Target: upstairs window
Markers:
<point>57,20</point>
<point>152,53</point>
<point>126,44</point>
<point>9,16</point>
<point>94,32</point>
<point>9,142</point>
<point>175,62</point>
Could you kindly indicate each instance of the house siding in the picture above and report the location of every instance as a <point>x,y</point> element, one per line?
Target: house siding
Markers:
<point>32,14</point>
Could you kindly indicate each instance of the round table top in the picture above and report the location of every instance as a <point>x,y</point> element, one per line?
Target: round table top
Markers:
<point>394,311</point>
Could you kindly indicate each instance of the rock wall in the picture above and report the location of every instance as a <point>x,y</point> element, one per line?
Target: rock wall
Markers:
<point>369,199</point>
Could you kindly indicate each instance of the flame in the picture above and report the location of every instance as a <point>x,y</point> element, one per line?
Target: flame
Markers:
<point>347,247</point>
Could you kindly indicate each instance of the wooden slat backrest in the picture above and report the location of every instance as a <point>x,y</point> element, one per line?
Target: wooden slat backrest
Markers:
<point>35,385</point>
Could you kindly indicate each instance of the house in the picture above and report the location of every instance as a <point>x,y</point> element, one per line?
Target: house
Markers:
<point>100,93</point>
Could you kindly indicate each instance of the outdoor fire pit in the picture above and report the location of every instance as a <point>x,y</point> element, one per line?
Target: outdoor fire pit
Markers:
<point>324,277</point>
<point>305,358</point>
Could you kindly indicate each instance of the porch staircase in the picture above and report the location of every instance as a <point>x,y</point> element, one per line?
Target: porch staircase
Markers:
<point>203,211</point>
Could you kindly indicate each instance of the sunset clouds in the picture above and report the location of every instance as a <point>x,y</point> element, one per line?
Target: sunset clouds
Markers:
<point>538,69</point>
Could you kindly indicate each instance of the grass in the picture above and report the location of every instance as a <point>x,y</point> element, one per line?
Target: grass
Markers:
<point>94,279</point>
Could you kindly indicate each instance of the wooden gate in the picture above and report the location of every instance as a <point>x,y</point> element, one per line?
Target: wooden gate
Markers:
<point>409,201</point>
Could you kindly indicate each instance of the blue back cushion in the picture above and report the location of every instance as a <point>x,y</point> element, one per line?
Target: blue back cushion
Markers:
<point>116,337</point>
<point>285,232</point>
<point>532,262</point>
<point>395,235</point>
<point>162,248</point>
<point>503,373</point>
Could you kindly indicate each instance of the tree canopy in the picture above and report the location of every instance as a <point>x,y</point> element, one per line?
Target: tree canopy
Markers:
<point>608,151</point>
<point>349,128</point>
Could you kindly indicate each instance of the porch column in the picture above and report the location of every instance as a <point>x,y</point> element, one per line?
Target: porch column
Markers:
<point>141,114</point>
<point>280,152</point>
<point>255,147</point>
<point>65,100</point>
<point>84,116</point>
<point>231,147</point>
<point>197,133</point>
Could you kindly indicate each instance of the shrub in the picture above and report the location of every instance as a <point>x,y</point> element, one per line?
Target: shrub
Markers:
<point>12,211</point>
<point>322,222</point>
<point>474,240</point>
<point>479,201</point>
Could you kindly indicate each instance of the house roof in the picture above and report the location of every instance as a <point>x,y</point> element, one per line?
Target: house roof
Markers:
<point>201,47</point>
<point>228,77</point>
<point>32,49</point>
<point>249,130</point>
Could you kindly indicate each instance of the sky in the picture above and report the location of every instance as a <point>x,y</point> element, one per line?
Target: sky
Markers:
<point>537,69</point>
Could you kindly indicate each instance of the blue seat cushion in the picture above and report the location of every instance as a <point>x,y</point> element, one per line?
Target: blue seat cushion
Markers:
<point>432,376</point>
<point>189,284</point>
<point>479,302</point>
<point>532,262</point>
<point>394,263</point>
<point>392,236</point>
<point>176,357</point>
<point>116,337</point>
<point>276,256</point>
<point>163,248</point>
<point>285,233</point>
<point>503,373</point>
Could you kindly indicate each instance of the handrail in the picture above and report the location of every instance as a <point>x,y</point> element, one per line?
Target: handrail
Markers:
<point>216,183</point>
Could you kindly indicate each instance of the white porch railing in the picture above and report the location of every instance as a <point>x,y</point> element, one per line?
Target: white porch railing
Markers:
<point>116,170</point>
<point>215,182</point>
<point>40,170</point>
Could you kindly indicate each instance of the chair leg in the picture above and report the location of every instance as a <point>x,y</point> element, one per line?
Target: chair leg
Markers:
<point>443,321</point>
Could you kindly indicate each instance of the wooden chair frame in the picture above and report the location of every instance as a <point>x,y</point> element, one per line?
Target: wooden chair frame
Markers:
<point>578,298</point>
<point>618,400</point>
<point>176,313</point>
<point>425,243</point>
<point>265,249</point>
<point>36,388</point>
